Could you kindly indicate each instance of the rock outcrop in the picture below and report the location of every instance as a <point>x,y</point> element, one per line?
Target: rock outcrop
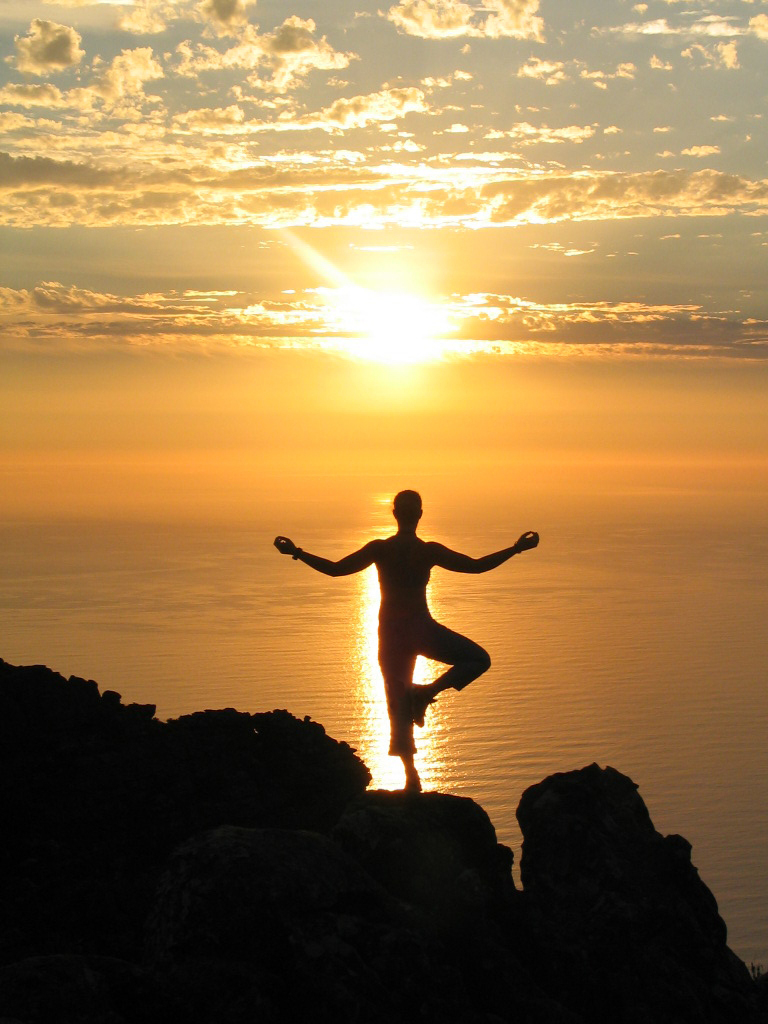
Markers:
<point>224,868</point>
<point>620,912</point>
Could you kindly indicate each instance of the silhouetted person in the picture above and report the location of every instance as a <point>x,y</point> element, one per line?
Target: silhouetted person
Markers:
<point>406,627</point>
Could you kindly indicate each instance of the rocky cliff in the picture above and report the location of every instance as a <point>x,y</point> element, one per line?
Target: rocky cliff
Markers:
<point>226,867</point>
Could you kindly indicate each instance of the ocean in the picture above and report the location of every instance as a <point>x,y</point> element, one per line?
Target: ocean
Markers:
<point>634,636</point>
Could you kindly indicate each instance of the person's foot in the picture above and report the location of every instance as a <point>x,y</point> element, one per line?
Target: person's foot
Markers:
<point>412,781</point>
<point>421,698</point>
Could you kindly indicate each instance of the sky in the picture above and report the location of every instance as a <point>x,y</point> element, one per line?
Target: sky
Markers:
<point>210,207</point>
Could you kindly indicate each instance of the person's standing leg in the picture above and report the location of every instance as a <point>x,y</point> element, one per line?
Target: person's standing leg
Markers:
<point>397,664</point>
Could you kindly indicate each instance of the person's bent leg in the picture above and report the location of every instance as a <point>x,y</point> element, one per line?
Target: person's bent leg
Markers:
<point>467,661</point>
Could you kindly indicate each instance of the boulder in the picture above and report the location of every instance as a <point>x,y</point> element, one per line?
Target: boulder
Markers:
<point>432,850</point>
<point>95,795</point>
<point>623,927</point>
<point>70,989</point>
<point>282,925</point>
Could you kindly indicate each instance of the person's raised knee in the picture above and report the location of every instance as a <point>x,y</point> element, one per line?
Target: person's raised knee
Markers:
<point>483,662</point>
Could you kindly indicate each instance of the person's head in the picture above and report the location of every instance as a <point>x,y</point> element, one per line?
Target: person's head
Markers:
<point>407,509</point>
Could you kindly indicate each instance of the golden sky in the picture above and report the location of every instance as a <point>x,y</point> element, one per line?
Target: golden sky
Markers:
<point>227,172</point>
<point>212,210</point>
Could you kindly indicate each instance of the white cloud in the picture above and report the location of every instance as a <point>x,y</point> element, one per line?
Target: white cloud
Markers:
<point>701,151</point>
<point>728,55</point>
<point>48,47</point>
<point>289,53</point>
<point>721,56</point>
<point>600,78</point>
<point>515,18</point>
<point>711,25</point>
<point>759,25</point>
<point>433,19</point>
<point>549,71</point>
<point>48,96</point>
<point>357,111</point>
<point>527,134</point>
<point>216,121</point>
<point>146,18</point>
<point>292,52</point>
<point>446,19</point>
<point>126,75</point>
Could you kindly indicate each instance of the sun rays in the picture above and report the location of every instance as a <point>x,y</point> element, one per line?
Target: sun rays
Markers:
<point>393,327</point>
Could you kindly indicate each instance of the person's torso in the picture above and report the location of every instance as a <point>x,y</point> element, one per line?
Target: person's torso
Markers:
<point>404,566</point>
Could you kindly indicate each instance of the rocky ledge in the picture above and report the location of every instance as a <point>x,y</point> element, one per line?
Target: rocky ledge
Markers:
<point>224,868</point>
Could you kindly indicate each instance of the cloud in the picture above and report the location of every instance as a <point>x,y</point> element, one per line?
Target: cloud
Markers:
<point>721,56</point>
<point>759,25</point>
<point>515,18</point>
<point>31,172</point>
<point>387,105</point>
<point>48,47</point>
<point>548,71</point>
<point>290,53</point>
<point>599,78</point>
<point>711,25</point>
<point>433,19</point>
<point>701,151</point>
<point>11,122</point>
<point>527,134</point>
<point>340,190</point>
<point>446,19</point>
<point>48,96</point>
<point>346,113</point>
<point>226,16</point>
<point>126,75</point>
<point>485,323</point>
<point>228,120</point>
<point>146,17</point>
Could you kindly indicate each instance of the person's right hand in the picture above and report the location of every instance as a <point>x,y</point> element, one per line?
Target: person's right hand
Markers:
<point>285,546</point>
<point>527,541</point>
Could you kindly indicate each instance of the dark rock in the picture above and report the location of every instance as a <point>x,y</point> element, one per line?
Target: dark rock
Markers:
<point>94,796</point>
<point>435,851</point>
<point>74,989</point>
<point>619,913</point>
<point>248,892</point>
<point>438,854</point>
<point>301,929</point>
<point>229,867</point>
<point>305,931</point>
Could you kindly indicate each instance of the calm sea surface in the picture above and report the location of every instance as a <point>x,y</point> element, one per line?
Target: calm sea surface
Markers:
<point>634,636</point>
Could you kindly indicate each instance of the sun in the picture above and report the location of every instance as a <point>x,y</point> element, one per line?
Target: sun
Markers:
<point>391,327</point>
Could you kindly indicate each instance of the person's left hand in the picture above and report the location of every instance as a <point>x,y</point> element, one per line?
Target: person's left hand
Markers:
<point>527,541</point>
<point>285,546</point>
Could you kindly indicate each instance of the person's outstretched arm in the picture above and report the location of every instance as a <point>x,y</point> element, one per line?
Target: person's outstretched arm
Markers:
<point>355,562</point>
<point>457,562</point>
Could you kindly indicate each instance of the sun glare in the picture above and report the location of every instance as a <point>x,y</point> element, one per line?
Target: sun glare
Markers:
<point>391,327</point>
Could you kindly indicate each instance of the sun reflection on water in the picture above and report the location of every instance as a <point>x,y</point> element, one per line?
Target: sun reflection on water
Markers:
<point>370,700</point>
